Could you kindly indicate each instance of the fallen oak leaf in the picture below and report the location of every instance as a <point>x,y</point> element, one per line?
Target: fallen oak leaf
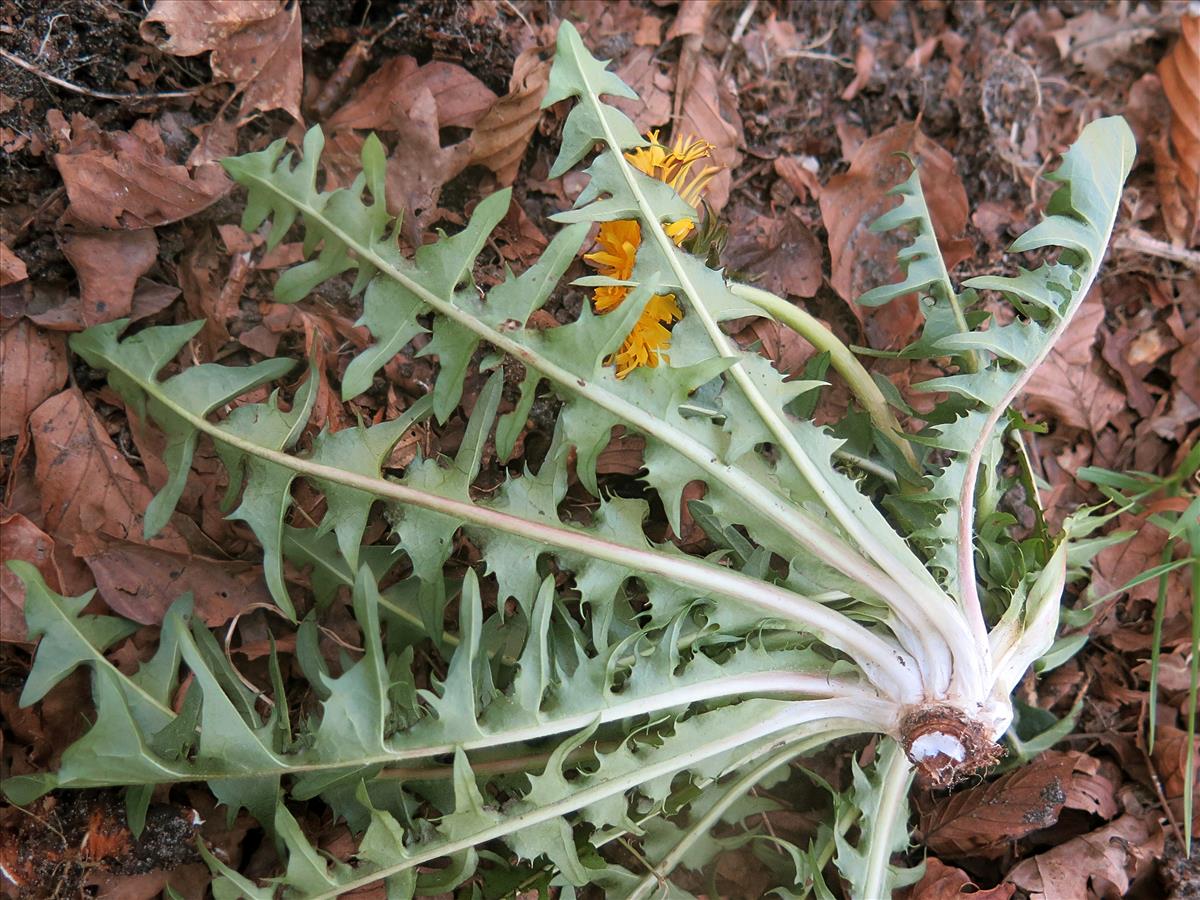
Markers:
<point>643,71</point>
<point>255,45</point>
<point>86,484</point>
<point>34,363</point>
<point>1107,859</point>
<point>943,882</point>
<point>861,259</point>
<point>108,265</point>
<point>780,252</point>
<point>21,539</point>
<point>864,65</point>
<point>1096,42</point>
<point>383,102</point>
<point>502,135</point>
<point>141,582</point>
<point>800,173</point>
<point>124,180</point>
<point>709,111</point>
<point>12,267</point>
<point>1068,386</point>
<point>419,166</point>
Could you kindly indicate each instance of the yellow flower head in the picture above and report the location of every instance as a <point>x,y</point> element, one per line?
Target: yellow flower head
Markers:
<point>618,244</point>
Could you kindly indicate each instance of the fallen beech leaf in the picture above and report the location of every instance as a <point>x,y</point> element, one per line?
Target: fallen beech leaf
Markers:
<point>502,135</point>
<point>861,259</point>
<point>86,484</point>
<point>1178,71</point>
<point>12,267</point>
<point>140,582</point>
<point>982,821</point>
<point>781,252</point>
<point>1106,859</point>
<point>1068,385</point>
<point>255,44</point>
<point>384,101</point>
<point>34,363</point>
<point>123,179</point>
<point>109,264</point>
<point>943,882</point>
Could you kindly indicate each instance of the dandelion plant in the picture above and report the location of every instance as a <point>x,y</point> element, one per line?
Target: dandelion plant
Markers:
<point>597,691</point>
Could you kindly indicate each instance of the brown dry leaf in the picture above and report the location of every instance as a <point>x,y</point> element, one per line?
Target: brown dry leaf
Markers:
<point>124,180</point>
<point>12,267</point>
<point>642,71</point>
<point>784,347</point>
<point>1096,42</point>
<point>624,455</point>
<point>800,174</point>
<point>21,539</point>
<point>709,111</point>
<point>109,264</point>
<point>34,363</point>
<point>649,32</point>
<point>211,291</point>
<point>502,135</point>
<point>87,487</point>
<point>982,821</point>
<point>943,882</point>
<point>861,259</point>
<point>1180,74</point>
<point>1130,354</point>
<point>1115,566</point>
<point>384,101</point>
<point>781,254</point>
<point>1107,859</point>
<point>140,582</point>
<point>1068,386</point>
<point>1171,758</point>
<point>419,166</point>
<point>56,311</point>
<point>864,65</point>
<point>214,141</point>
<point>518,236</point>
<point>255,45</point>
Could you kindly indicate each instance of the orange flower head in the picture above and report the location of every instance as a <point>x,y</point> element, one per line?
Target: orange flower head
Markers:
<point>618,243</point>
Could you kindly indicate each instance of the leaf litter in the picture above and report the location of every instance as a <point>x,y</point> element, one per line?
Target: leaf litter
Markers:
<point>113,207</point>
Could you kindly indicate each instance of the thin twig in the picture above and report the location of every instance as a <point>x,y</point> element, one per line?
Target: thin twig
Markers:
<point>1140,242</point>
<point>738,30</point>
<point>79,89</point>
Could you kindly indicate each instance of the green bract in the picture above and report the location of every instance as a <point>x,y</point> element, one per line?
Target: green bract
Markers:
<point>870,587</point>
